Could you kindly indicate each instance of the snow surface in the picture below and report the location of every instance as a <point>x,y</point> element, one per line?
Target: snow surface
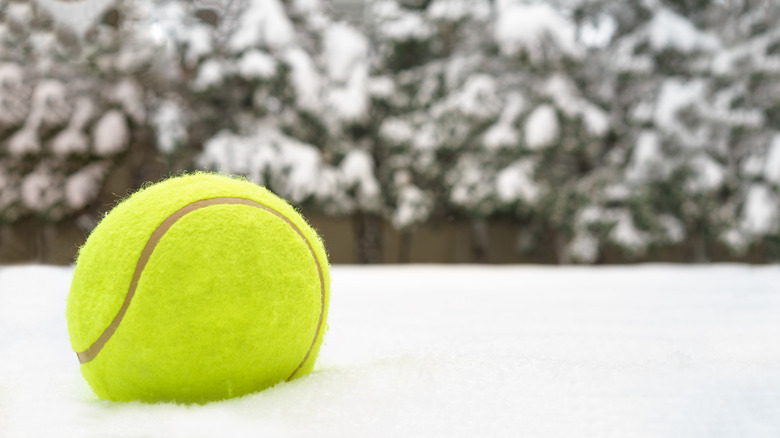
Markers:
<point>647,351</point>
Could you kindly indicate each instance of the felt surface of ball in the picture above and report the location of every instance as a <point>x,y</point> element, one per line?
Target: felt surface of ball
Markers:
<point>198,288</point>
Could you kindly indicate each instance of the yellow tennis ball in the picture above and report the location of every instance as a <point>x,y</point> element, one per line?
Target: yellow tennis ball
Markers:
<point>199,288</point>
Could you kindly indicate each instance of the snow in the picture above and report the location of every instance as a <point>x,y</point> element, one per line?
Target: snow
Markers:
<point>754,165</point>
<point>70,141</point>
<point>165,30</point>
<point>675,230</point>
<point>753,54</point>
<point>542,128</point>
<point>344,47</point>
<point>515,182</point>
<point>515,105</point>
<point>268,157</point>
<point>645,351</point>
<point>772,164</point>
<point>565,95</point>
<point>668,30</point>
<point>456,10</point>
<point>307,6</point>
<point>407,27</point>
<point>11,76</point>
<point>676,96</point>
<point>381,86</point>
<point>211,74</point>
<point>589,215</point>
<point>346,55</point>
<point>723,110</point>
<point>49,104</point>
<point>759,214</point>
<point>84,110</point>
<point>709,174</point>
<point>263,23</point>
<point>477,98</point>
<point>83,187</point>
<point>305,79</point>
<point>199,42</point>
<point>257,64</point>
<point>584,247</point>
<point>19,12</point>
<point>647,159</point>
<point>23,142</point>
<point>598,33</point>
<point>427,137</point>
<point>111,133</point>
<point>529,28</point>
<point>40,189</point>
<point>395,130</point>
<point>13,105</point>
<point>413,207</point>
<point>357,170</point>
<point>397,24</point>
<point>351,102</point>
<point>79,16</point>
<point>626,234</point>
<point>617,192</point>
<point>626,59</point>
<point>470,186</point>
<point>130,95</point>
<point>665,31</point>
<point>170,127</point>
<point>503,133</point>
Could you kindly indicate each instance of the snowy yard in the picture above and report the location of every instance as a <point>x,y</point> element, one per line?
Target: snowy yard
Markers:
<point>649,351</point>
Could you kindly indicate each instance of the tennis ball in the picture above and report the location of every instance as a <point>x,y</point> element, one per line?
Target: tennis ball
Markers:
<point>198,288</point>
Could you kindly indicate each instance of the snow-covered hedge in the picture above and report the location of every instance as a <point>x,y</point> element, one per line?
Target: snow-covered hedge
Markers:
<point>592,124</point>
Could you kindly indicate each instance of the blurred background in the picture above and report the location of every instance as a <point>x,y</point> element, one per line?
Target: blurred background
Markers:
<point>449,131</point>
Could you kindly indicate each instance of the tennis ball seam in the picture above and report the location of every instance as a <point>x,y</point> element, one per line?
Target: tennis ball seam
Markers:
<point>91,353</point>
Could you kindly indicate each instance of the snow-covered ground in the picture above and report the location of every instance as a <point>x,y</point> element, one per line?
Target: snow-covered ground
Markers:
<point>649,351</point>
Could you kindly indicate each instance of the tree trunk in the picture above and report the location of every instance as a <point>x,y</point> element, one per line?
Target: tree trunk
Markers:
<point>368,238</point>
<point>405,246</point>
<point>481,241</point>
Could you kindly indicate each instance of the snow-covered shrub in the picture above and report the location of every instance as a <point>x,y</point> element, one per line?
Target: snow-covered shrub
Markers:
<point>69,104</point>
<point>597,127</point>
